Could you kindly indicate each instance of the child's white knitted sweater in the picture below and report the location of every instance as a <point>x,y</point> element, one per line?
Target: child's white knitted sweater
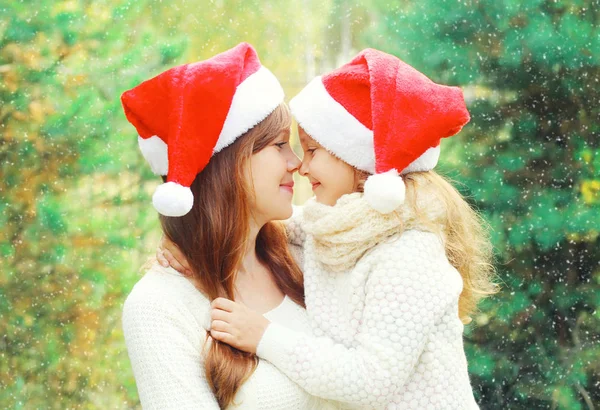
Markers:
<point>384,311</point>
<point>164,318</point>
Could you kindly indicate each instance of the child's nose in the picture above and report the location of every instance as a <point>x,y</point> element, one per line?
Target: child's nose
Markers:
<point>303,168</point>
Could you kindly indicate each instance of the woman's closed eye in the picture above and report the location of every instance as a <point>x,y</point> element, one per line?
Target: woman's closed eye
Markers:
<point>281,144</point>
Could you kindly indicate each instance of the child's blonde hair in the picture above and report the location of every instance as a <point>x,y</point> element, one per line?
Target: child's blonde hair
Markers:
<point>465,234</point>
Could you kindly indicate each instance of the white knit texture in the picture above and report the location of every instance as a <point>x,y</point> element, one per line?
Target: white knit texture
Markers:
<point>293,229</point>
<point>164,318</point>
<point>387,332</point>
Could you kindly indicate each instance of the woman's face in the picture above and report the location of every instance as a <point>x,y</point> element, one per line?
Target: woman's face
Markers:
<point>330,176</point>
<point>273,186</point>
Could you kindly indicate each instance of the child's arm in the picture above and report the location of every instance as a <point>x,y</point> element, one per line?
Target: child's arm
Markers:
<point>405,294</point>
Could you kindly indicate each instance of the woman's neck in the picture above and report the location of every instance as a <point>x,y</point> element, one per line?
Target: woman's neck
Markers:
<point>250,262</point>
<point>255,285</point>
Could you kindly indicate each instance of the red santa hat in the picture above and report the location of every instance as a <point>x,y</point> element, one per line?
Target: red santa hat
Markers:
<point>382,116</point>
<point>189,113</point>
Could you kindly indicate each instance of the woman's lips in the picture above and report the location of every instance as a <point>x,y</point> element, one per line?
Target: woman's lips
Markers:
<point>288,187</point>
<point>315,185</point>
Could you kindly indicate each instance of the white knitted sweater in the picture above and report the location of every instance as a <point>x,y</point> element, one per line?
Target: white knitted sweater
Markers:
<point>164,318</point>
<point>387,331</point>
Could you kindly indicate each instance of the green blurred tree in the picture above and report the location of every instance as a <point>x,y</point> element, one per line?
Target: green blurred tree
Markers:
<point>530,161</point>
<point>70,223</point>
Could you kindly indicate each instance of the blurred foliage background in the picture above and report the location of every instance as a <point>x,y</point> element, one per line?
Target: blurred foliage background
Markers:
<point>76,221</point>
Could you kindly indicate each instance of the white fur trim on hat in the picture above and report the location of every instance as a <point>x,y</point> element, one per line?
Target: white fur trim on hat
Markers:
<point>385,192</point>
<point>155,151</point>
<point>332,126</point>
<point>172,199</point>
<point>254,99</point>
<point>427,161</point>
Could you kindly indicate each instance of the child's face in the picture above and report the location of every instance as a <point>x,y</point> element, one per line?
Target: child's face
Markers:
<point>330,177</point>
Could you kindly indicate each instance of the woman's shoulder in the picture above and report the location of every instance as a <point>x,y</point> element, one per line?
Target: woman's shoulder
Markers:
<point>164,283</point>
<point>164,292</point>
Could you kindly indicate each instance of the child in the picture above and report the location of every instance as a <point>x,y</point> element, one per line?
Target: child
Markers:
<point>387,281</point>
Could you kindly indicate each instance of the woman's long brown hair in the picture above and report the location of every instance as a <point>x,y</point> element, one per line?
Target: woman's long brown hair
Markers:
<point>213,237</point>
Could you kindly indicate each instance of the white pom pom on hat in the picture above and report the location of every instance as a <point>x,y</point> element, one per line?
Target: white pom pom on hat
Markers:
<point>172,199</point>
<point>385,192</point>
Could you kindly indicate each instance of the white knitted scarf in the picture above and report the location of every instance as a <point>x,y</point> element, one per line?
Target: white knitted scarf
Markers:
<point>344,232</point>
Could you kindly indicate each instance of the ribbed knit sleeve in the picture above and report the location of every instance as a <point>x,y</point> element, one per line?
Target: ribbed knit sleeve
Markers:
<point>407,291</point>
<point>165,354</point>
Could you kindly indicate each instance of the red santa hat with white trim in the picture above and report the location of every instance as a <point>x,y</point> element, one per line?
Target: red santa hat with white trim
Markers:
<point>382,116</point>
<point>189,113</point>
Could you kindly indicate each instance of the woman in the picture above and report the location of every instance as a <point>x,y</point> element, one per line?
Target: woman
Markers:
<point>219,131</point>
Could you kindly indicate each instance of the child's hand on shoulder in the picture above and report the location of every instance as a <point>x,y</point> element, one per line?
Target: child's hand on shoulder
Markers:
<point>168,254</point>
<point>237,325</point>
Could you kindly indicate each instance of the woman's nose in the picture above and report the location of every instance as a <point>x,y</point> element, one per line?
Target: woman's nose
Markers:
<point>293,162</point>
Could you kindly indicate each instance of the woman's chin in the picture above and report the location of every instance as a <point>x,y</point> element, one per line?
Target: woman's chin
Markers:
<point>284,212</point>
